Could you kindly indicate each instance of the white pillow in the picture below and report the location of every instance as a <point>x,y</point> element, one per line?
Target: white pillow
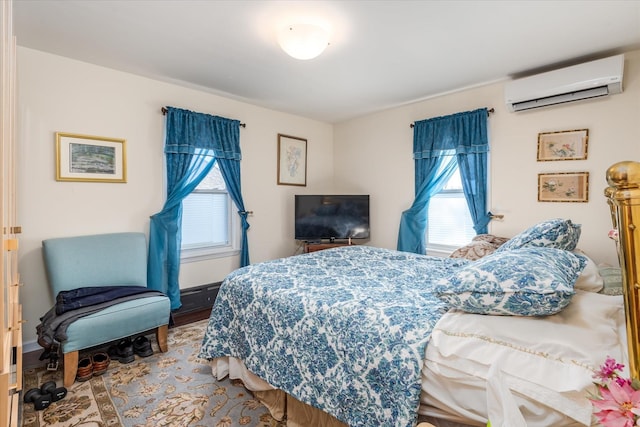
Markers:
<point>590,279</point>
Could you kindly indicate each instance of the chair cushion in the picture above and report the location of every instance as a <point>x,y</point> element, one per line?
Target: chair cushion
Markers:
<point>116,322</point>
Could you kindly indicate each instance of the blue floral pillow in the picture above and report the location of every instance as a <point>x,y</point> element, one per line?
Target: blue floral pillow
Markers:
<point>522,282</point>
<point>553,233</point>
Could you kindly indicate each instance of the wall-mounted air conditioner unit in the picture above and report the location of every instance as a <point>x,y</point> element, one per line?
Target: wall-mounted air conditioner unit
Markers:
<point>583,81</point>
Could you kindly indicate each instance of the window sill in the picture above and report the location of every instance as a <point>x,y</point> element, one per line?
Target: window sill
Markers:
<point>441,251</point>
<point>196,255</point>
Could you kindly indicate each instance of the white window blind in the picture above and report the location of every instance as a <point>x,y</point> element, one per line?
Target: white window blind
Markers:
<point>207,220</point>
<point>449,223</point>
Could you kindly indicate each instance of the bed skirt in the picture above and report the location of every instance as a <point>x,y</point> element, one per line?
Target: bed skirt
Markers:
<point>281,405</point>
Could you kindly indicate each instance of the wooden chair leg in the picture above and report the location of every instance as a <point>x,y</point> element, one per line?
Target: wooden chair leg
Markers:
<point>161,336</point>
<point>70,368</point>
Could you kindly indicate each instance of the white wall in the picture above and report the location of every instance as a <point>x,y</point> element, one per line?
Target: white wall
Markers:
<point>56,94</point>
<point>373,154</point>
<point>370,154</point>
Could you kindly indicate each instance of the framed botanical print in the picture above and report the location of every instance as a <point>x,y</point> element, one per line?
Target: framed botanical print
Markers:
<point>564,145</point>
<point>292,160</point>
<point>563,187</point>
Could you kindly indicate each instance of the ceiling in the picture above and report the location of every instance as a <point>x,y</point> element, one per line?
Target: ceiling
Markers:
<point>381,54</point>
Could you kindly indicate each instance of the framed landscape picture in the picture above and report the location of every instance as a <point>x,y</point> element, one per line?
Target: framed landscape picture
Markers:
<point>90,158</point>
<point>564,145</point>
<point>563,187</point>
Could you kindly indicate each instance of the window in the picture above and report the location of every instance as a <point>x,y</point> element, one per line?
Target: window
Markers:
<point>209,225</point>
<point>449,225</point>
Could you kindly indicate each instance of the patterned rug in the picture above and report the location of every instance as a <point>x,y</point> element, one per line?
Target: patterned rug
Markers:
<point>167,389</point>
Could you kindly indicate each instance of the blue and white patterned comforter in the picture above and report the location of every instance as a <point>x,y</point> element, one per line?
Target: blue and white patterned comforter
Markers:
<point>344,330</point>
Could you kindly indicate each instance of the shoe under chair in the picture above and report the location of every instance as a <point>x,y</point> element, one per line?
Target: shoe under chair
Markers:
<point>123,351</point>
<point>92,366</point>
<point>142,346</point>
<point>126,350</point>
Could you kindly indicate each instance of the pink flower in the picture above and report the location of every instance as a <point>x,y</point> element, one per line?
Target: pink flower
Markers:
<point>609,370</point>
<point>619,406</point>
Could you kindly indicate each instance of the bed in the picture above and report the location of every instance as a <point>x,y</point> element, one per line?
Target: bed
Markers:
<point>365,336</point>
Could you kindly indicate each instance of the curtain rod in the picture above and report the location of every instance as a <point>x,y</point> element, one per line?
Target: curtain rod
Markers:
<point>489,111</point>
<point>165,111</point>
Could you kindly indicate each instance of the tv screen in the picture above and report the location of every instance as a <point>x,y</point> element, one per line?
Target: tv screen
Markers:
<point>331,217</point>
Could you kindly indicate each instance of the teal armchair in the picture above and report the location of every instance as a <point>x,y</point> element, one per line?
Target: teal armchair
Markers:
<point>116,259</point>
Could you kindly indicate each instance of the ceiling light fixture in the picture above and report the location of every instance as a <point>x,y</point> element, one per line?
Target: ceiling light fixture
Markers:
<point>303,41</point>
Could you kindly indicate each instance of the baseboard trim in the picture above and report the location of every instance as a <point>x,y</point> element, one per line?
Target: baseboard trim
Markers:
<point>196,304</point>
<point>30,346</point>
<point>191,317</point>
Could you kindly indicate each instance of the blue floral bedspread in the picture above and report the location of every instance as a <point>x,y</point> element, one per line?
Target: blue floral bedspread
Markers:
<point>343,329</point>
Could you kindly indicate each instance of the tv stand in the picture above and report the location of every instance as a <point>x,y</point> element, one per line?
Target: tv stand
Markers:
<point>318,246</point>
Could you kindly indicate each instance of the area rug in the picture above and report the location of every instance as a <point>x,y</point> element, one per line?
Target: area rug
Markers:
<point>167,389</point>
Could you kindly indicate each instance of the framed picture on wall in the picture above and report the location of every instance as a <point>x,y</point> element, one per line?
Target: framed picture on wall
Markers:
<point>563,145</point>
<point>292,160</point>
<point>90,158</point>
<point>563,187</point>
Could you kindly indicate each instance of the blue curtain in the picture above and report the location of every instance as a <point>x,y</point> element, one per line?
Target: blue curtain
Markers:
<point>473,172</point>
<point>439,145</point>
<point>194,142</point>
<point>230,170</point>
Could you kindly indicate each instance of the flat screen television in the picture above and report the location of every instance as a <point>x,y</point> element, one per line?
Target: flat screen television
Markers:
<point>331,217</point>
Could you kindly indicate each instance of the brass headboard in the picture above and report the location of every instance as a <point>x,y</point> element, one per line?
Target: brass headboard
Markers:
<point>623,196</point>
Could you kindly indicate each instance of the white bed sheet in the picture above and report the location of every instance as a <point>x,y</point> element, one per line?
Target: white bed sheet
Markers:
<point>546,363</point>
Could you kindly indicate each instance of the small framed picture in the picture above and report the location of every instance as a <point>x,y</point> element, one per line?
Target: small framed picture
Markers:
<point>90,158</point>
<point>563,187</point>
<point>564,145</point>
<point>292,160</point>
